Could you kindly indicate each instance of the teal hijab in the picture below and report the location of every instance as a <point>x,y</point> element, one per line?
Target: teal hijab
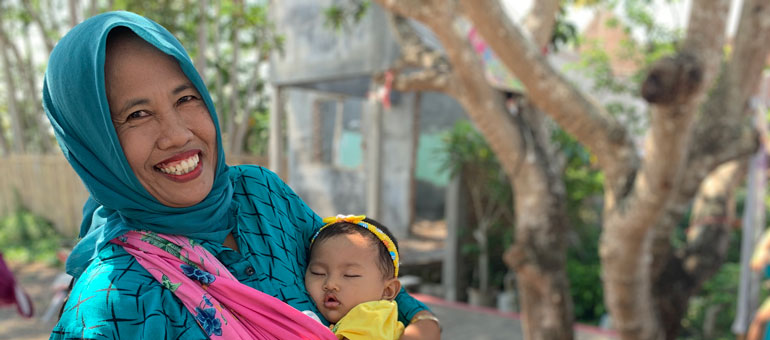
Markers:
<point>75,101</point>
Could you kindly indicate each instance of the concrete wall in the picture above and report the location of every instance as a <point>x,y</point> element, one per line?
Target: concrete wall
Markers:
<point>319,61</point>
<point>315,53</point>
<point>331,189</point>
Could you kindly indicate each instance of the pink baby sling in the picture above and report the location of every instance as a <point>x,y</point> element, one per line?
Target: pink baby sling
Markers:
<point>223,307</point>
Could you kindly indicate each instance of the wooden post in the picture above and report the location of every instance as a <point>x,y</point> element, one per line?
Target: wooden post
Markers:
<point>276,143</point>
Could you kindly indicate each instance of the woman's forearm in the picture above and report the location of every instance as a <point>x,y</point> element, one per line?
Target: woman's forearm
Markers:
<point>422,327</point>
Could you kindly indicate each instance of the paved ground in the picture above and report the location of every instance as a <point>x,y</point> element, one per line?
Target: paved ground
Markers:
<point>36,280</point>
<point>460,321</point>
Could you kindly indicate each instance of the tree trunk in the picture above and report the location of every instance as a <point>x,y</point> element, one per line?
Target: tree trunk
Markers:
<point>5,150</point>
<point>73,11</point>
<point>220,97</point>
<point>200,60</point>
<point>643,196</point>
<point>242,128</point>
<point>234,101</point>
<point>17,127</point>
<point>93,8</point>
<point>683,275</point>
<point>722,133</point>
<point>539,255</point>
<point>45,142</point>
<point>44,30</point>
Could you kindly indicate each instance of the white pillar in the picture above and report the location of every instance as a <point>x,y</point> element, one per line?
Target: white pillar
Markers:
<point>276,141</point>
<point>373,137</point>
<point>455,215</point>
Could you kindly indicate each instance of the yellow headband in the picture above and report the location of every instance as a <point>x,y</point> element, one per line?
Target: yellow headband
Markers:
<point>359,220</point>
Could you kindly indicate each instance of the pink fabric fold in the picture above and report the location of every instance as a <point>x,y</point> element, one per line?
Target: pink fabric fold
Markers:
<point>222,306</point>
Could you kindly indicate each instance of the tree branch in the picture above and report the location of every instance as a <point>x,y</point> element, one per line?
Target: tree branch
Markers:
<point>751,48</point>
<point>706,35</point>
<point>482,103</point>
<point>718,132</point>
<point>580,116</point>
<point>435,73</point>
<point>718,136</point>
<point>425,80</point>
<point>541,20</point>
<point>420,10</point>
<point>413,51</point>
<point>675,86</point>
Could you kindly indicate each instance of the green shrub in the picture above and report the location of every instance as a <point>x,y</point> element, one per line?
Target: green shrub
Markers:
<point>26,237</point>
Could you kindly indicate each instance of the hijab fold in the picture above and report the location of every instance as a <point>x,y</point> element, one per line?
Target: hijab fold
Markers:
<point>75,101</point>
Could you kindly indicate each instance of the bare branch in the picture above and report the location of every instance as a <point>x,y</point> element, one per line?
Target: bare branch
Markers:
<point>676,86</point>
<point>580,116</point>
<point>718,132</point>
<point>718,136</point>
<point>706,35</point>
<point>751,47</point>
<point>413,51</point>
<point>420,10</point>
<point>425,80</point>
<point>541,20</point>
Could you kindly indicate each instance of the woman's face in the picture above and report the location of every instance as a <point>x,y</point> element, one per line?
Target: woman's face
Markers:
<point>162,122</point>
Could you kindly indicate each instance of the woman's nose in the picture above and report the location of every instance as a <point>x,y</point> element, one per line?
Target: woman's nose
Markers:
<point>174,131</point>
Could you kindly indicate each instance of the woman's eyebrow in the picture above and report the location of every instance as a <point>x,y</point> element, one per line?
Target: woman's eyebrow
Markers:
<point>181,88</point>
<point>133,102</point>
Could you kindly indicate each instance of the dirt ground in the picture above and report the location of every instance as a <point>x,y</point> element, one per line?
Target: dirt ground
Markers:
<point>36,280</point>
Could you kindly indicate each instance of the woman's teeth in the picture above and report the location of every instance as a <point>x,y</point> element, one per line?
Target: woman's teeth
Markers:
<point>182,167</point>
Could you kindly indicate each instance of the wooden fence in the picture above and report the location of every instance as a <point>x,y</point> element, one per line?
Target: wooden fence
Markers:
<point>49,187</point>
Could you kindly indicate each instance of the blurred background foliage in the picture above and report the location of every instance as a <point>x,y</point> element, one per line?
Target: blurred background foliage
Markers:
<point>230,42</point>
<point>26,237</point>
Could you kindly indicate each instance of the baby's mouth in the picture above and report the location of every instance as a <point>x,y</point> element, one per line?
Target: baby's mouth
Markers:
<point>330,301</point>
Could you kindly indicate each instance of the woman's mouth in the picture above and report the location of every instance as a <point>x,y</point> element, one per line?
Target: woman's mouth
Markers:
<point>182,167</point>
<point>179,167</point>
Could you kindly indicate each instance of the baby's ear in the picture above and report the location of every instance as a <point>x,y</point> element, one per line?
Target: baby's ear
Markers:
<point>392,287</point>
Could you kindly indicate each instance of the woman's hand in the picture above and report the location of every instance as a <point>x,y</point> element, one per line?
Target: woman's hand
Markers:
<point>422,328</point>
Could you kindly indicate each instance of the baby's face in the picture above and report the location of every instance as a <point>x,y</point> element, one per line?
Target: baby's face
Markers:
<point>342,273</point>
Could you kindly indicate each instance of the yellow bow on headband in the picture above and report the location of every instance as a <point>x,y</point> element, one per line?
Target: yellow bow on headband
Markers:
<point>359,220</point>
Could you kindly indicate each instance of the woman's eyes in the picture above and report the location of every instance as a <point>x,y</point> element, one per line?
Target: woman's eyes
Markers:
<point>144,113</point>
<point>137,114</point>
<point>185,99</point>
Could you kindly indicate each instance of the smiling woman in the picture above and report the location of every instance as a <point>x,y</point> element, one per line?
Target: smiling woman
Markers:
<point>174,242</point>
<point>162,123</point>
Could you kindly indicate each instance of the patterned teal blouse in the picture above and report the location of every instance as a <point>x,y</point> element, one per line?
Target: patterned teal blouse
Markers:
<point>116,298</point>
